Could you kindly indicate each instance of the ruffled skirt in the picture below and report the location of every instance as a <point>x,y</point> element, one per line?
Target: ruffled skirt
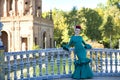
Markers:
<point>82,69</point>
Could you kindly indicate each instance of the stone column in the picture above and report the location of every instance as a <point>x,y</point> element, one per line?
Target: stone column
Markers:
<point>17,35</point>
<point>2,72</point>
<point>32,4</point>
<point>20,7</point>
<point>13,7</point>
<point>5,8</point>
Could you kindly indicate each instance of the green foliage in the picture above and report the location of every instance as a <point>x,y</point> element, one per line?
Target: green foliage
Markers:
<point>107,27</point>
<point>72,20</point>
<point>65,36</point>
<point>45,15</point>
<point>113,2</point>
<point>35,47</point>
<point>101,6</point>
<point>60,27</point>
<point>111,26</point>
<point>97,24</point>
<point>57,36</point>
<point>92,22</point>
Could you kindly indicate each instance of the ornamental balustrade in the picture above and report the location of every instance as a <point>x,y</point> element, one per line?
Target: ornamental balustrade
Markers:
<point>55,63</point>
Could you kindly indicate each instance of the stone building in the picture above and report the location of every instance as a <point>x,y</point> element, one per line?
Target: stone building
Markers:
<point>23,26</point>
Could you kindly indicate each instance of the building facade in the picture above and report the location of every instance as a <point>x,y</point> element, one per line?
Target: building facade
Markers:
<point>23,26</point>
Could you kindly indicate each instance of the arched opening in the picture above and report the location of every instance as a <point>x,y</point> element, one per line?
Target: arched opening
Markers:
<point>4,38</point>
<point>50,42</point>
<point>10,5</point>
<point>44,40</point>
<point>24,44</point>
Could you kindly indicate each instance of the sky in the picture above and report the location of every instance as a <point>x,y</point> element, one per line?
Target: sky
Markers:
<point>67,5</point>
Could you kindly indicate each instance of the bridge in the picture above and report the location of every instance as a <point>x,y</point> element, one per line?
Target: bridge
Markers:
<point>57,64</point>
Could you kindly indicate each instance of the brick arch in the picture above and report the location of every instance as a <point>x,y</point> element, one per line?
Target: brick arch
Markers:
<point>6,34</point>
<point>4,38</point>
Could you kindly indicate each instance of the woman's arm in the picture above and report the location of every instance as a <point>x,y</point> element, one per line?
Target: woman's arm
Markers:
<point>87,46</point>
<point>66,47</point>
<point>83,42</point>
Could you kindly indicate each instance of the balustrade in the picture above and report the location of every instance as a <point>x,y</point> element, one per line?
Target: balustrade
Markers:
<point>58,63</point>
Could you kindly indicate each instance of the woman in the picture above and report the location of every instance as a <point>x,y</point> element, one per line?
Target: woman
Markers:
<point>82,68</point>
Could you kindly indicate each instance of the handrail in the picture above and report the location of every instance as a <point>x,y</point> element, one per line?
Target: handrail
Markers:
<point>57,63</point>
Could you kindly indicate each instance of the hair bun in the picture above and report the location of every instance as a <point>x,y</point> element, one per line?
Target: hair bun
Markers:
<point>79,27</point>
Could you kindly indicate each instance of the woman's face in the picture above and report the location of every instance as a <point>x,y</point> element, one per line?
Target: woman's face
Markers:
<point>77,31</point>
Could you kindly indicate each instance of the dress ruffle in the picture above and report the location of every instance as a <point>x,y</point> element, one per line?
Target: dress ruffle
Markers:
<point>88,46</point>
<point>65,47</point>
<point>82,61</point>
<point>82,69</point>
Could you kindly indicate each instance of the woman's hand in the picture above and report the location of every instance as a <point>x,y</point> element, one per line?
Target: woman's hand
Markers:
<point>65,47</point>
<point>88,46</point>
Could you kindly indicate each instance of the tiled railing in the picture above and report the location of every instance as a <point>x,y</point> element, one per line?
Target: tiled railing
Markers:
<point>58,63</point>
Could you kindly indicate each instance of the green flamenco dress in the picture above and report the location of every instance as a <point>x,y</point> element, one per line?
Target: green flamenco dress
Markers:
<point>82,68</point>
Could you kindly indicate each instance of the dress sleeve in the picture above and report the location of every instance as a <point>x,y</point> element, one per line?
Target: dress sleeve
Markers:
<point>83,42</point>
<point>86,46</point>
<point>66,47</point>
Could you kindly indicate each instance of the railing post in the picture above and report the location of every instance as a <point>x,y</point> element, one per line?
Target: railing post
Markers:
<point>119,43</point>
<point>64,63</point>
<point>2,63</point>
<point>69,62</point>
<point>2,56</point>
<point>1,25</point>
<point>58,62</point>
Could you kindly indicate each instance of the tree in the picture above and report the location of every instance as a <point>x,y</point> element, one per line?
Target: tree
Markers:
<point>92,20</point>
<point>113,2</point>
<point>72,20</point>
<point>65,36</point>
<point>111,26</point>
<point>107,29</point>
<point>60,27</point>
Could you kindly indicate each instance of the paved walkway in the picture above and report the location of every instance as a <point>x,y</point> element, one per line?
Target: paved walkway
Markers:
<point>95,78</point>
